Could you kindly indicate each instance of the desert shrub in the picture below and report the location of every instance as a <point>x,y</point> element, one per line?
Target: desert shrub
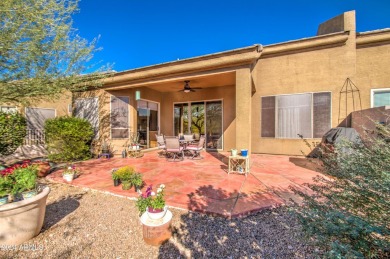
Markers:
<point>68,139</point>
<point>349,214</point>
<point>12,132</point>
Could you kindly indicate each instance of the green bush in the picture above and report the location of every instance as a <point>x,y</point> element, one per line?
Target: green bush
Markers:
<point>68,139</point>
<point>349,214</point>
<point>12,132</point>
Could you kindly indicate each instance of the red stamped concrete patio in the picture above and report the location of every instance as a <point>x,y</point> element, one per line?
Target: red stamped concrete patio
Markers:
<point>204,185</point>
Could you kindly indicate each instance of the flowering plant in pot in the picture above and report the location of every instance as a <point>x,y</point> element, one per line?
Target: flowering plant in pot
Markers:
<point>151,202</point>
<point>125,174</point>
<point>70,173</point>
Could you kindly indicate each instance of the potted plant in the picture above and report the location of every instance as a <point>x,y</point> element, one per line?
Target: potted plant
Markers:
<point>23,216</point>
<point>125,174</point>
<point>43,167</point>
<point>105,148</point>
<point>70,173</point>
<point>115,177</point>
<point>153,203</point>
<point>24,182</point>
<point>137,182</point>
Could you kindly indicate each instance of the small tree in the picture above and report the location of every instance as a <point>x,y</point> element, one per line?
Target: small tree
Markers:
<point>12,132</point>
<point>349,214</point>
<point>41,55</point>
<point>68,139</point>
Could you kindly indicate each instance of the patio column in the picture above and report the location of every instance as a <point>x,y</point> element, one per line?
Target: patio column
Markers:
<point>243,108</point>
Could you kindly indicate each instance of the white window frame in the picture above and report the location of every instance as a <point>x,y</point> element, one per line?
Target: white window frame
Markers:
<point>376,90</point>
<point>8,107</point>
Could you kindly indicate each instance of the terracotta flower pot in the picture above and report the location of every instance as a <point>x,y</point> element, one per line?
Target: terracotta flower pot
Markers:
<point>43,168</point>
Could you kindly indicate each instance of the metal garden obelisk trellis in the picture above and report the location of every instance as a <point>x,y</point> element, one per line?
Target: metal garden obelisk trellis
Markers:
<point>348,89</point>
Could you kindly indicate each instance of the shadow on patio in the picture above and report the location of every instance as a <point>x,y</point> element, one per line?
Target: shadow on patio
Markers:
<point>203,185</point>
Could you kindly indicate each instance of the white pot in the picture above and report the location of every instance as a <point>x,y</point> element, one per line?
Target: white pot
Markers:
<point>22,220</point>
<point>157,215</point>
<point>68,177</point>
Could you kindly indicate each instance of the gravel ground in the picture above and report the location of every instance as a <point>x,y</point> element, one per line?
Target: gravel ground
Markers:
<point>82,223</point>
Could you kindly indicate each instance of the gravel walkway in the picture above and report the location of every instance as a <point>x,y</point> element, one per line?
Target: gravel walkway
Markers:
<point>87,224</point>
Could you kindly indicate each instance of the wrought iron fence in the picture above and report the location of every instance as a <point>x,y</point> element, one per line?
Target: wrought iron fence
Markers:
<point>34,137</point>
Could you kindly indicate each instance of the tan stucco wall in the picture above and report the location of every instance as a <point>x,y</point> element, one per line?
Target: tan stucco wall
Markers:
<point>319,70</point>
<point>60,104</point>
<point>318,64</point>
<point>373,70</point>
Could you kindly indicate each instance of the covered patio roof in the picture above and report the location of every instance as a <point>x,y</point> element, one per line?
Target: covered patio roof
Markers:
<point>218,69</point>
<point>204,185</point>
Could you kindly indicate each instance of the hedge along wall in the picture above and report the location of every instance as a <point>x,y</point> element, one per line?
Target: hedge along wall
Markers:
<point>68,139</point>
<point>12,132</point>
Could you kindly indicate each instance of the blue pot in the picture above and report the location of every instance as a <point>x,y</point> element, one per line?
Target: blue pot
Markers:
<point>29,194</point>
<point>3,200</point>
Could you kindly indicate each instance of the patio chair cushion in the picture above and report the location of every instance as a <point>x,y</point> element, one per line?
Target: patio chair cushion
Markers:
<point>175,149</point>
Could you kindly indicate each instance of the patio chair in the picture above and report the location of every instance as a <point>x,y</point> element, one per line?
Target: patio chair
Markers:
<point>173,148</point>
<point>189,138</point>
<point>195,149</point>
<point>161,145</point>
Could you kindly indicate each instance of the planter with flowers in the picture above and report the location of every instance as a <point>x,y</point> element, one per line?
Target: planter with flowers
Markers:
<point>155,217</point>
<point>153,203</point>
<point>125,174</point>
<point>24,210</point>
<point>70,173</point>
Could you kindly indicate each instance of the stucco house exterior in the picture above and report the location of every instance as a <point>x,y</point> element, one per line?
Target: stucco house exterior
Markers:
<point>257,97</point>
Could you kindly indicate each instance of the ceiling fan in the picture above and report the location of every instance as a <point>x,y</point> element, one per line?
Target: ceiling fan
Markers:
<point>187,88</point>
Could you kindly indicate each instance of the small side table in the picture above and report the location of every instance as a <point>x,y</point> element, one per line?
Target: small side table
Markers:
<point>239,164</point>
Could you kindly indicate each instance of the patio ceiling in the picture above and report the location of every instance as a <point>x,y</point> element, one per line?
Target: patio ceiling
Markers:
<point>206,79</point>
<point>209,81</point>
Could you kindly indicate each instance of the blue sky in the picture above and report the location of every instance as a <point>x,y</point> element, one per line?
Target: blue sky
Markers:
<point>137,33</point>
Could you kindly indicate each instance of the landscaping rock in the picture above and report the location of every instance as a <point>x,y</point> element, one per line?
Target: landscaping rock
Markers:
<point>88,224</point>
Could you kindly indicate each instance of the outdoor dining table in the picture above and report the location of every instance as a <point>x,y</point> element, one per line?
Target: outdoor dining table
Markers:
<point>184,143</point>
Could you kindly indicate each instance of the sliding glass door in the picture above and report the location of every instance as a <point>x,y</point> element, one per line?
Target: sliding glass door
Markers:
<point>147,122</point>
<point>200,118</point>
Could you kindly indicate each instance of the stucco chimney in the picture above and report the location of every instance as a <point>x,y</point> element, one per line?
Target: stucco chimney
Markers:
<point>342,22</point>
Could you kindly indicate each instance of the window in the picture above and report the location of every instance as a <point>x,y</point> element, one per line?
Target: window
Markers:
<point>380,97</point>
<point>8,109</point>
<point>87,108</point>
<point>119,117</point>
<point>288,116</point>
